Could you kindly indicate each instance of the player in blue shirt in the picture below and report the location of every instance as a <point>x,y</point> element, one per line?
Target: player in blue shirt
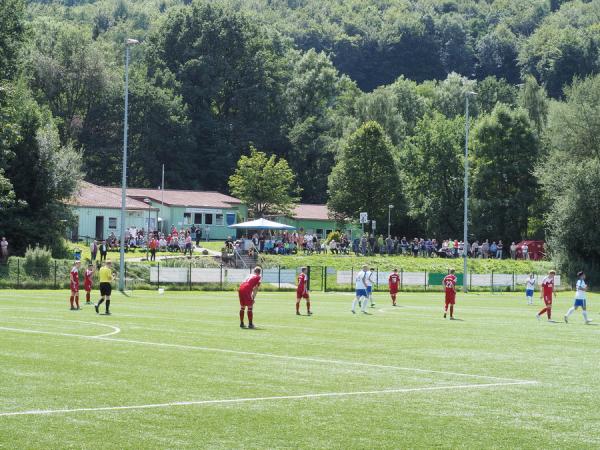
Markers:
<point>580,301</point>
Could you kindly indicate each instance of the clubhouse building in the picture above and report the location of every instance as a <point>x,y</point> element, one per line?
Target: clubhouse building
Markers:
<point>98,211</point>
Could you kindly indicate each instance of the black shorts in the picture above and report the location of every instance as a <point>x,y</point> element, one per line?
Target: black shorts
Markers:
<point>105,289</point>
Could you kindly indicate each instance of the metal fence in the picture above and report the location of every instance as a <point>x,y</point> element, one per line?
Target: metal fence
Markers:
<point>187,275</point>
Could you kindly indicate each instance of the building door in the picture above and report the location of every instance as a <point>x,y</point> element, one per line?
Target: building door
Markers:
<point>100,228</point>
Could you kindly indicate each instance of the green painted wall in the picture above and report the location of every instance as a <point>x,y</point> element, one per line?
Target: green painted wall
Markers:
<point>86,221</point>
<point>320,227</point>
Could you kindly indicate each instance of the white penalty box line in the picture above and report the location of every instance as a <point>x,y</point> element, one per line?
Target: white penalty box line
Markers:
<point>261,399</point>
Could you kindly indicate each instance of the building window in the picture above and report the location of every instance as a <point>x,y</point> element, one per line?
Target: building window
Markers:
<point>320,232</point>
<point>112,223</point>
<point>197,218</point>
<point>187,218</point>
<point>218,219</point>
<point>327,232</point>
<point>208,219</point>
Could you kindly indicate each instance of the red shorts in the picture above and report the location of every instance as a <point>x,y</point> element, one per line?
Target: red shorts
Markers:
<point>74,288</point>
<point>87,287</point>
<point>548,300</point>
<point>246,298</point>
<point>450,299</point>
<point>393,291</point>
<point>302,294</point>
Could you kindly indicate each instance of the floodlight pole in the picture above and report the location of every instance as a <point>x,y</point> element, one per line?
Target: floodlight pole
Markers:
<point>128,44</point>
<point>466,199</point>
<point>389,218</point>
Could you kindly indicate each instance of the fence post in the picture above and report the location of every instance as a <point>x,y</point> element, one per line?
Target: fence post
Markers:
<point>352,278</point>
<point>377,278</point>
<point>221,277</point>
<point>55,286</point>
<point>425,280</point>
<point>401,277</point>
<point>471,280</point>
<point>322,279</point>
<point>18,273</point>
<point>492,281</point>
<point>308,278</point>
<point>325,279</point>
<point>279,277</point>
<point>513,286</point>
<point>190,276</point>
<point>158,275</point>
<point>125,267</point>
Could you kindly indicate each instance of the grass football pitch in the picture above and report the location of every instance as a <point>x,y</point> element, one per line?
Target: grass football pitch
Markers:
<point>176,371</point>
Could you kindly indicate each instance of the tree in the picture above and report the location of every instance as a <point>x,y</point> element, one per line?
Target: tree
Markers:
<point>492,91</point>
<point>497,53</point>
<point>264,183</point>
<point>43,174</point>
<point>12,35</point>
<point>229,71</point>
<point>309,97</point>
<point>533,98</point>
<point>432,172</point>
<point>570,178</point>
<point>381,106</point>
<point>366,177</point>
<point>506,150</point>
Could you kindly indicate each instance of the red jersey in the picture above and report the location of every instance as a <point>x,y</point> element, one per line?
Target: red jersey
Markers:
<point>548,287</point>
<point>87,279</point>
<point>394,282</point>
<point>302,278</point>
<point>74,279</point>
<point>250,283</point>
<point>449,283</point>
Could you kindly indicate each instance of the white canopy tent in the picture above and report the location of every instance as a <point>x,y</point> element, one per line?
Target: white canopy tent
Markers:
<point>262,224</point>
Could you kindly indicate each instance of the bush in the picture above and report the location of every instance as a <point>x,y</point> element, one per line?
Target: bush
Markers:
<point>37,262</point>
<point>334,235</point>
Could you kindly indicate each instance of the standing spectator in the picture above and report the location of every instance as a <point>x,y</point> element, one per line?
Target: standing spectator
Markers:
<point>499,249</point>
<point>153,245</point>
<point>474,249</point>
<point>333,247</point>
<point>525,250</point>
<point>188,244</point>
<point>381,245</point>
<point>485,249</point>
<point>3,250</point>
<point>404,245</point>
<point>363,245</point>
<point>389,245</point>
<point>513,250</point>
<point>94,249</point>
<point>103,251</point>
<point>493,249</point>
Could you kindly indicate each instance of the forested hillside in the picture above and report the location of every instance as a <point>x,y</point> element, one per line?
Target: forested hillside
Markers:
<point>309,80</point>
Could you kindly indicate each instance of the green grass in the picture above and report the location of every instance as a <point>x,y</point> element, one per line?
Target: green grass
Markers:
<point>175,347</point>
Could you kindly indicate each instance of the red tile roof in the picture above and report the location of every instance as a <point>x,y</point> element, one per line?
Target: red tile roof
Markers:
<point>192,199</point>
<point>92,196</point>
<point>314,212</point>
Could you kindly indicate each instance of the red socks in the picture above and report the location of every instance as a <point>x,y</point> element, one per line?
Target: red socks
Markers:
<point>77,301</point>
<point>250,316</point>
<point>87,297</point>
<point>308,306</point>
<point>71,299</point>
<point>242,315</point>
<point>546,310</point>
<point>451,310</point>
<point>297,307</point>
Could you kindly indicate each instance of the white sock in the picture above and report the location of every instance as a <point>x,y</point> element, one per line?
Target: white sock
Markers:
<point>530,300</point>
<point>354,302</point>
<point>365,304</point>
<point>585,317</point>
<point>570,311</point>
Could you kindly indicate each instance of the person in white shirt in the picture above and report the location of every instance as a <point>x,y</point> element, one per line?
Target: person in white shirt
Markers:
<point>530,288</point>
<point>580,302</point>
<point>361,290</point>
<point>370,281</point>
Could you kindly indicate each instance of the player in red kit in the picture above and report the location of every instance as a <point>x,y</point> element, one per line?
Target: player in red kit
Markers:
<point>546,294</point>
<point>247,293</point>
<point>87,283</point>
<point>394,284</point>
<point>74,275</point>
<point>449,283</point>
<point>302,292</point>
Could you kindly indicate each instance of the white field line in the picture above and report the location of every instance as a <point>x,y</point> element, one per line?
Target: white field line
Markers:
<point>115,330</point>
<point>262,399</point>
<point>266,355</point>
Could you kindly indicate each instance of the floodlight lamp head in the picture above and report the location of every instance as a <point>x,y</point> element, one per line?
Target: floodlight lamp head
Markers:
<point>131,42</point>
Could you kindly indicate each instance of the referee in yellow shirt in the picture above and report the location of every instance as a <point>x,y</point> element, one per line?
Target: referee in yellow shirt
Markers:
<point>106,276</point>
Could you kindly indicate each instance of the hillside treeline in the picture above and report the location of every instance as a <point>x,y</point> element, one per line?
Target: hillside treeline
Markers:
<point>309,80</point>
